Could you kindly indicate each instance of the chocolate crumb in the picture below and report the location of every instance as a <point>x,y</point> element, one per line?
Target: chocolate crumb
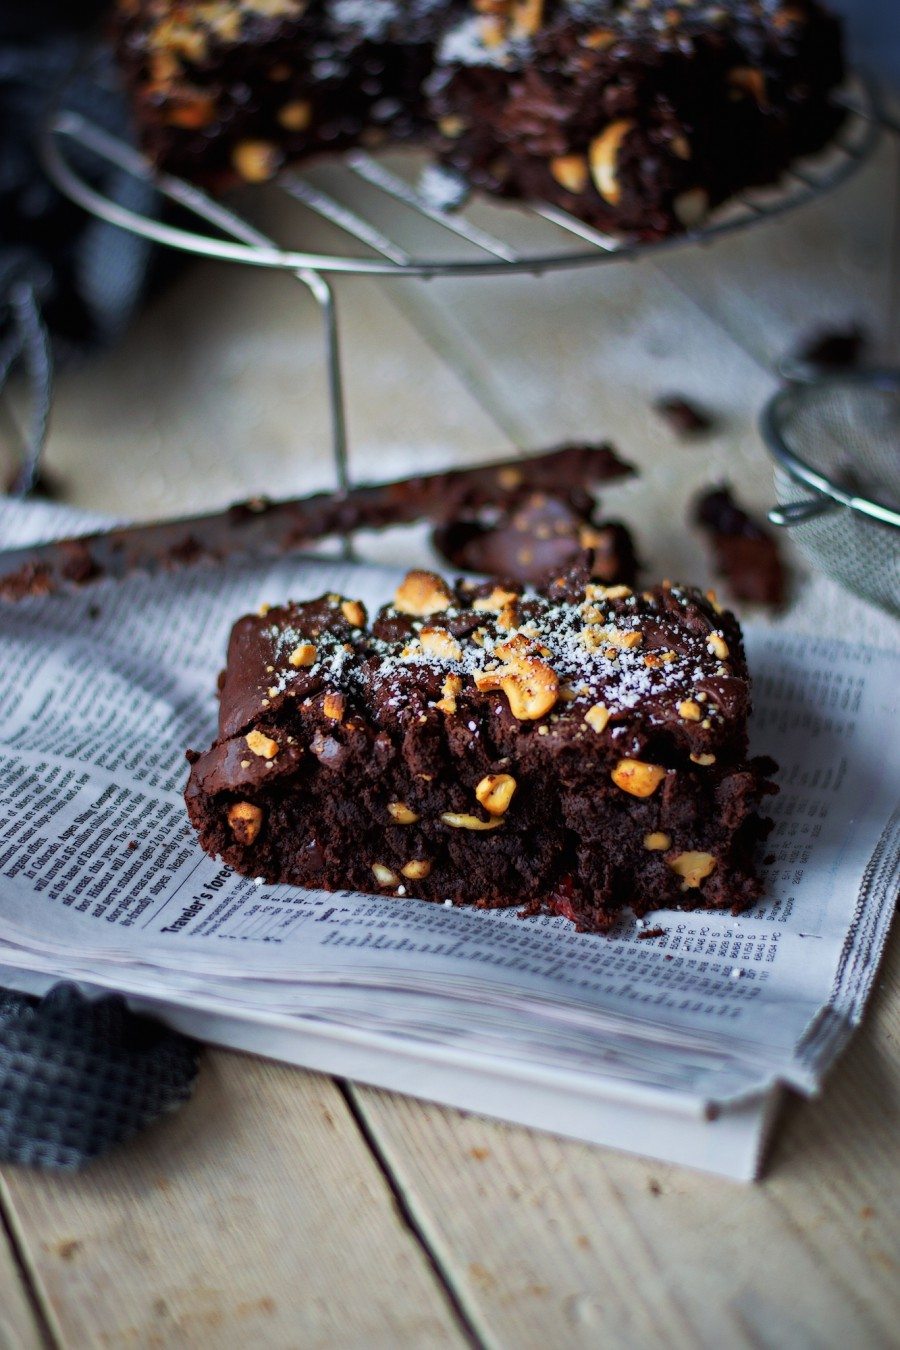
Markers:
<point>26,582</point>
<point>685,418</point>
<point>186,551</point>
<point>78,566</point>
<point>745,554</point>
<point>834,349</point>
<point>651,933</point>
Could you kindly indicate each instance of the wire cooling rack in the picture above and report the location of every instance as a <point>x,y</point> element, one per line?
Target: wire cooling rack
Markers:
<point>385,225</point>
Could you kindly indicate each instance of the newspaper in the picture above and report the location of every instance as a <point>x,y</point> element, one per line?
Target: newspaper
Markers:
<point>102,881</point>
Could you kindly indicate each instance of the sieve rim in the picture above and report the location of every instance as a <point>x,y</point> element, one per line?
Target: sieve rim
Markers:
<point>787,402</point>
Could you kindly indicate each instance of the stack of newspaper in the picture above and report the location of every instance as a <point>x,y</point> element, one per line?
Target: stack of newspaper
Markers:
<point>674,1045</point>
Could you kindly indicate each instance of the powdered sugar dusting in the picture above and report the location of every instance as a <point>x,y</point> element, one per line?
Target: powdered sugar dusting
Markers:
<point>627,652</point>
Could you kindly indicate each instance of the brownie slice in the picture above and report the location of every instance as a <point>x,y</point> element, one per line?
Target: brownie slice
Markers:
<point>581,751</point>
<point>236,89</point>
<point>637,116</point>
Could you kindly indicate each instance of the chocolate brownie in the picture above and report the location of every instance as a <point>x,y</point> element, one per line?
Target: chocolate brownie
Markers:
<point>226,89</point>
<point>261,528</point>
<point>635,115</point>
<point>534,536</point>
<point>580,751</point>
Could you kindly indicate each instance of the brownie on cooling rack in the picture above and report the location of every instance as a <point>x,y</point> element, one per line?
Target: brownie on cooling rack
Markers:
<point>637,116</point>
<point>579,751</point>
<point>634,115</point>
<point>236,89</point>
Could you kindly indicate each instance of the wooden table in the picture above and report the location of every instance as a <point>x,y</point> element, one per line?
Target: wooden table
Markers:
<point>282,1208</point>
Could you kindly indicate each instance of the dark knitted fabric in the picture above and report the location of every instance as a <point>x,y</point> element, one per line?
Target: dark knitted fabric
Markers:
<point>78,1076</point>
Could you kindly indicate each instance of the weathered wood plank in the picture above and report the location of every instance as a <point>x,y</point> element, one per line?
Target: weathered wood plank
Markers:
<point>256,1215</point>
<point>218,393</point>
<point>553,1242</point>
<point>826,265</point>
<point>19,1329</point>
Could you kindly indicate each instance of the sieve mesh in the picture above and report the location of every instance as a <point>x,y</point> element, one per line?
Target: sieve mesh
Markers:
<point>836,442</point>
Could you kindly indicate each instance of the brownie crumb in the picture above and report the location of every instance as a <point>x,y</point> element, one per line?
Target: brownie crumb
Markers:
<point>28,581</point>
<point>79,565</point>
<point>745,554</point>
<point>834,349</point>
<point>685,418</point>
<point>651,933</point>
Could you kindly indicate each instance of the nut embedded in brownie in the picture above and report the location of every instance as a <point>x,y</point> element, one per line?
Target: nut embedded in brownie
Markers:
<point>581,751</point>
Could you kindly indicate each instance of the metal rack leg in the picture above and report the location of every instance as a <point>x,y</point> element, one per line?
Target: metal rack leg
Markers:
<point>230,223</point>
<point>324,296</point>
<point>30,342</point>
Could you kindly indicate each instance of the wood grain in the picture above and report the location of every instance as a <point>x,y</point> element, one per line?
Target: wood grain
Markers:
<point>218,393</point>
<point>550,1242</point>
<point>19,1329</point>
<point>255,1216</point>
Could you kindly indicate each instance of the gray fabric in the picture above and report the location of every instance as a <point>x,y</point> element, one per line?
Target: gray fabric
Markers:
<point>77,1077</point>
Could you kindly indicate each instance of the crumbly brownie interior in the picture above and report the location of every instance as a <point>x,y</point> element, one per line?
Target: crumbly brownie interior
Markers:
<point>635,115</point>
<point>581,751</point>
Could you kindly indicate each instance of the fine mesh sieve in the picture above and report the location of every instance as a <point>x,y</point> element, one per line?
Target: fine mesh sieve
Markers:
<point>836,446</point>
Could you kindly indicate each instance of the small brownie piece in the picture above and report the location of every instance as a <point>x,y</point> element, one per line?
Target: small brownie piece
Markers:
<point>746,555</point>
<point>834,349</point>
<point>535,536</point>
<point>581,751</point>
<point>684,417</point>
